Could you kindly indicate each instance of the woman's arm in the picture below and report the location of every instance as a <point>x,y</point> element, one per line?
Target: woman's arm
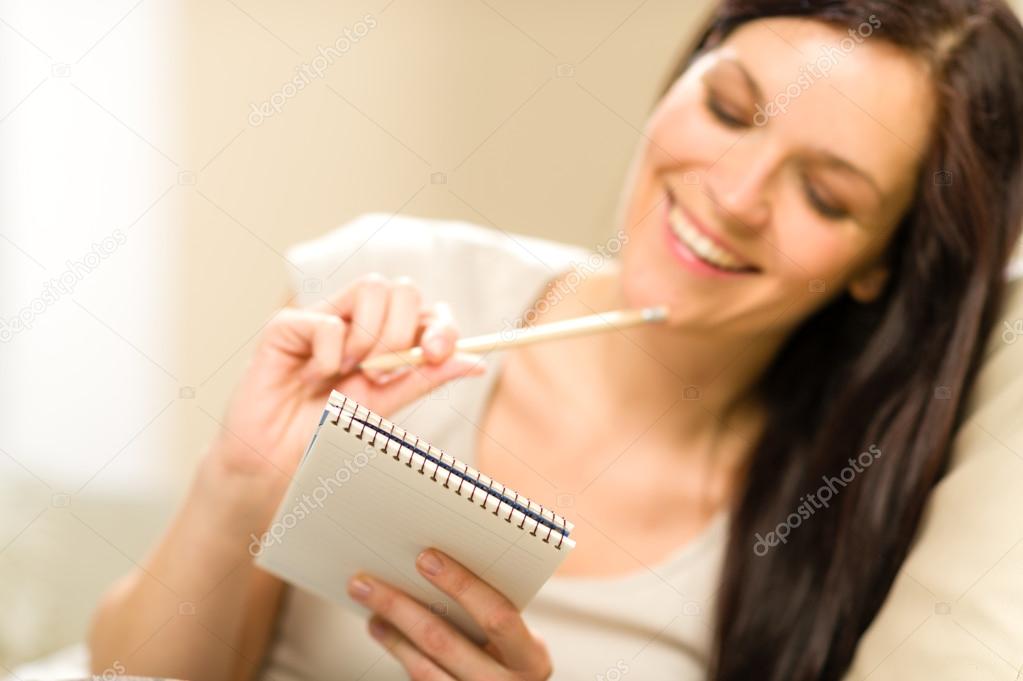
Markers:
<point>197,608</point>
<point>202,566</point>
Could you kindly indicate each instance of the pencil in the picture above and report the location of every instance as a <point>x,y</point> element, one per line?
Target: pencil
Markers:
<point>566,328</point>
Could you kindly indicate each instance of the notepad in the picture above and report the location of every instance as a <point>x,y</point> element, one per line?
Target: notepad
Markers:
<point>369,497</point>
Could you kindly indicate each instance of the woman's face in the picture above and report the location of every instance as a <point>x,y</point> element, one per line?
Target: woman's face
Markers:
<point>773,175</point>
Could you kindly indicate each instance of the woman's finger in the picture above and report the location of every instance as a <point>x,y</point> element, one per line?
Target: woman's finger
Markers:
<point>342,301</point>
<point>367,319</point>
<point>309,336</point>
<point>500,620</point>
<point>328,343</point>
<point>439,334</point>
<point>403,313</point>
<point>430,634</point>
<point>418,666</point>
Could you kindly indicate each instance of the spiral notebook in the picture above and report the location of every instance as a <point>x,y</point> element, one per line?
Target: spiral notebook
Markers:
<point>369,496</point>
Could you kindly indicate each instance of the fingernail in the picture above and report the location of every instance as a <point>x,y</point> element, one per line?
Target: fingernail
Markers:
<point>359,588</point>
<point>430,563</point>
<point>386,377</point>
<point>436,345</point>
<point>377,629</point>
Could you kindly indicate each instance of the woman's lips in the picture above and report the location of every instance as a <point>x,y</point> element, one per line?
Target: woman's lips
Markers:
<point>701,252</point>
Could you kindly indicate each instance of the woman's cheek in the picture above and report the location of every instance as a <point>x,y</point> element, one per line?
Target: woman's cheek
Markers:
<point>818,264</point>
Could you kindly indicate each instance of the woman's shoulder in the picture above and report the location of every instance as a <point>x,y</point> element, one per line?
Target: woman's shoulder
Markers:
<point>453,260</point>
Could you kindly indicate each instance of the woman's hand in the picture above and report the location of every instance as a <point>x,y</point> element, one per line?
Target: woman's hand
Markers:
<point>431,648</point>
<point>301,356</point>
<point>305,353</point>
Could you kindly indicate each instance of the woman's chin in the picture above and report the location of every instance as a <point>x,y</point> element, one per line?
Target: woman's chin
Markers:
<point>685,311</point>
<point>645,289</point>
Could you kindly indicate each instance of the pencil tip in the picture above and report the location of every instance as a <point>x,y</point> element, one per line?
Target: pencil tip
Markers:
<point>655,314</point>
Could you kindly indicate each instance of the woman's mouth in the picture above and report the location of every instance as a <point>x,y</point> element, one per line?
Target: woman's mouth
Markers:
<point>696,249</point>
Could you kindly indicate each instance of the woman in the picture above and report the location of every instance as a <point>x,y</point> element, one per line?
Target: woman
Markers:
<point>825,199</point>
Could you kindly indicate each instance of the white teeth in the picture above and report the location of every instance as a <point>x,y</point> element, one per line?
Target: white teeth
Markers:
<point>700,245</point>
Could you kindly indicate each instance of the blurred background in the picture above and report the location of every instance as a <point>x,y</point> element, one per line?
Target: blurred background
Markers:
<point>157,158</point>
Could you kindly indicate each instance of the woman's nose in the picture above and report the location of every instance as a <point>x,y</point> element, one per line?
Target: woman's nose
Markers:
<point>737,185</point>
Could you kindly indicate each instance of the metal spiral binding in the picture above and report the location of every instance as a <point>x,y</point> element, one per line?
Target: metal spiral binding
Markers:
<point>355,418</point>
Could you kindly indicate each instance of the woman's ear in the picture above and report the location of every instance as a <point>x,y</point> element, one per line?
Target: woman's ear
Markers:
<point>869,284</point>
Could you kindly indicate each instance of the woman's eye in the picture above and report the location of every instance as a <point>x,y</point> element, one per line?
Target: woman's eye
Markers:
<point>721,113</point>
<point>824,207</point>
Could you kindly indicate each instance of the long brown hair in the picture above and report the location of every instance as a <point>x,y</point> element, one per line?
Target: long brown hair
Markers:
<point>889,377</point>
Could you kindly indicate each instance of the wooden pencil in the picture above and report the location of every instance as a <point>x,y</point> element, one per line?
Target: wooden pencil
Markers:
<point>566,328</point>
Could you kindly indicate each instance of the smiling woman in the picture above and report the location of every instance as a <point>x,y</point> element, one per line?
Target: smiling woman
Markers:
<point>825,199</point>
<point>893,186</point>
